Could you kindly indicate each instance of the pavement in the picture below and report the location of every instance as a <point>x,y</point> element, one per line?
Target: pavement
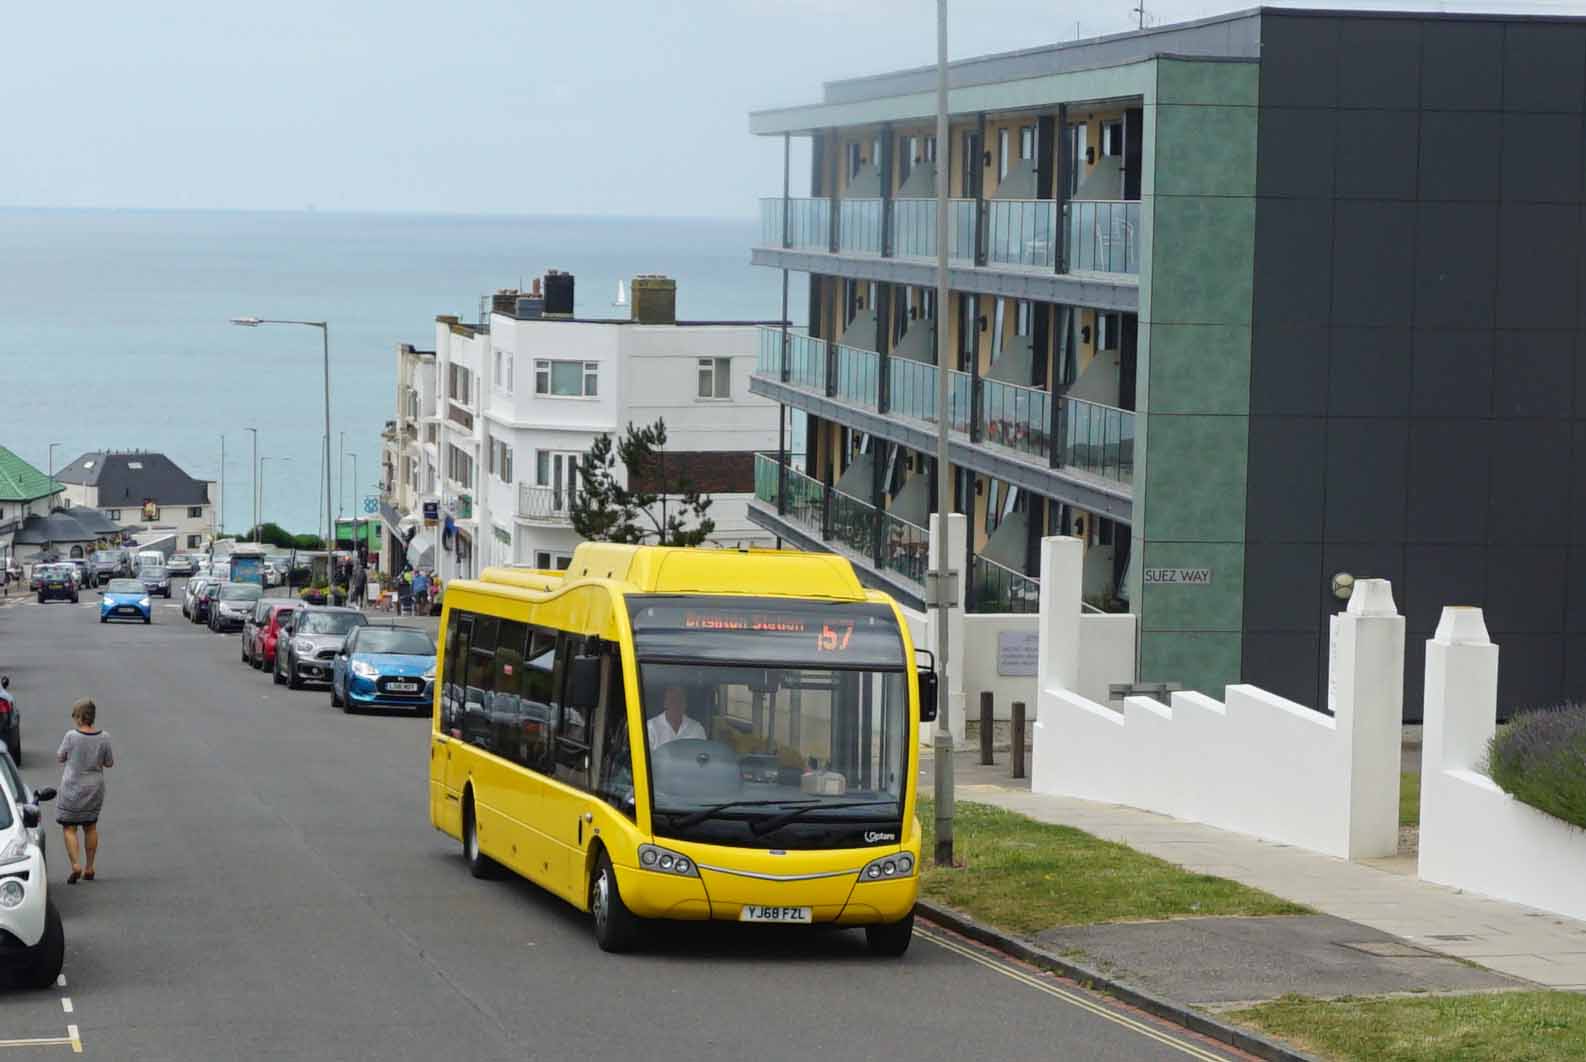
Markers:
<point>270,887</point>
<point>1365,901</point>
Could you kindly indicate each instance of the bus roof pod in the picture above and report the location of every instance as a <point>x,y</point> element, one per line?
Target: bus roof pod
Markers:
<point>674,570</point>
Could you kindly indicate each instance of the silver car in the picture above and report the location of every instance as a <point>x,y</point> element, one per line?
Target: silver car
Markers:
<point>317,634</point>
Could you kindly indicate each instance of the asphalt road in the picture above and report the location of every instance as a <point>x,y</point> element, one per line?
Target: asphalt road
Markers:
<point>270,888</point>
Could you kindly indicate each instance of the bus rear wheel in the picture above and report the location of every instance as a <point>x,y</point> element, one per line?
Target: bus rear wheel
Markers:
<point>479,865</point>
<point>616,928</point>
<point>891,939</point>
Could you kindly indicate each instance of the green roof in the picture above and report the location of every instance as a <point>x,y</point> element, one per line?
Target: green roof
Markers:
<point>21,482</point>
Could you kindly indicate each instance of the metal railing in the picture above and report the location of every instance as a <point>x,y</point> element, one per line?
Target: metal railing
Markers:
<point>997,588</point>
<point>809,223</point>
<point>1098,439</point>
<point>859,226</point>
<point>1103,236</point>
<point>914,228</point>
<point>806,358</point>
<point>549,505</point>
<point>1021,232</point>
<point>905,548</point>
<point>858,376</point>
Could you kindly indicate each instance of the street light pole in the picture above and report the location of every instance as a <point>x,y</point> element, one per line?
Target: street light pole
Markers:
<point>254,485</point>
<point>324,334</point>
<point>51,502</point>
<point>943,588</point>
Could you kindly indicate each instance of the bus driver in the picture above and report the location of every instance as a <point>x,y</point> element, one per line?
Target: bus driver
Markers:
<point>673,722</point>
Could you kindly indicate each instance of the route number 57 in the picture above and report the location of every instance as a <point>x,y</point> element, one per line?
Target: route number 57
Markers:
<point>834,637</point>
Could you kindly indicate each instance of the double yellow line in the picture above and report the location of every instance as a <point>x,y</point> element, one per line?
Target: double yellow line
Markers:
<point>1190,1048</point>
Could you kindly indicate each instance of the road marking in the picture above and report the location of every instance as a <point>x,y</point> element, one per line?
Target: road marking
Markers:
<point>72,1039</point>
<point>66,1004</point>
<point>1074,998</point>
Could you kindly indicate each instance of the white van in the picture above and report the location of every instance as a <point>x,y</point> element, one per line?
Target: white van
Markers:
<point>149,558</point>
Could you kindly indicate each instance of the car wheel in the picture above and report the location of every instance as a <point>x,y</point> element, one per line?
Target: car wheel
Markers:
<point>75,600</point>
<point>335,697</point>
<point>44,960</point>
<point>479,865</point>
<point>104,619</point>
<point>41,599</point>
<point>148,619</point>
<point>275,676</point>
<point>891,939</point>
<point>616,928</point>
<point>292,681</point>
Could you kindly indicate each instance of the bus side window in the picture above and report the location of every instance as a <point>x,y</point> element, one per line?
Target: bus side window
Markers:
<point>506,707</point>
<point>539,671</point>
<point>478,695</point>
<point>572,730</point>
<point>454,672</point>
<point>613,754</point>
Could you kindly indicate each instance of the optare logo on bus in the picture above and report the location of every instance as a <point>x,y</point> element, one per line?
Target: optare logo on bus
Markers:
<point>876,836</point>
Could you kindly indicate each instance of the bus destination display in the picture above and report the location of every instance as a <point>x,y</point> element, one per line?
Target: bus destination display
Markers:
<point>839,634</point>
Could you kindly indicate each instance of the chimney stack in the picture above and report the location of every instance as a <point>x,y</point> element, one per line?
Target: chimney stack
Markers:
<point>654,299</point>
<point>558,293</point>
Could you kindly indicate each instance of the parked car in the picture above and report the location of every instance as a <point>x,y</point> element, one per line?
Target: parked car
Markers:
<point>24,794</point>
<point>58,583</point>
<point>10,720</point>
<point>190,594</point>
<point>79,569</point>
<point>318,633</point>
<point>155,580</point>
<point>108,564</point>
<point>125,599</point>
<point>204,601</point>
<point>32,941</point>
<point>262,630</point>
<point>384,666</point>
<point>232,605</point>
<point>181,564</point>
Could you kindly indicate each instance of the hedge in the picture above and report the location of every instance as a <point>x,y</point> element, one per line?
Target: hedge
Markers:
<point>1540,760</point>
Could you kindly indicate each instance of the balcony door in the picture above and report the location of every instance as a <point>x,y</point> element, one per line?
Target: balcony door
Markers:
<point>558,471</point>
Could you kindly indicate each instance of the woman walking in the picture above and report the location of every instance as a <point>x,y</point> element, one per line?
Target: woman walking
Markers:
<point>85,751</point>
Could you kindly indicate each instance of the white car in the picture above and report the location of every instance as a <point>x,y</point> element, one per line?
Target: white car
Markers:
<point>32,942</point>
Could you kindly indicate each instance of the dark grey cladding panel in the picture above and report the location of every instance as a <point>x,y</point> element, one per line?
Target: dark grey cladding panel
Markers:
<point>1525,590</point>
<point>1285,479</point>
<point>1575,667</point>
<point>1279,578</point>
<point>1377,155</point>
<point>1531,672</point>
<point>1439,575</point>
<point>1370,372</point>
<point>1575,619</point>
<point>1539,246</point>
<point>1373,262</point>
<point>1379,63</point>
<point>1225,36</point>
<point>1449,474</point>
<point>1462,155</point>
<point>1294,240</point>
<point>1296,155</point>
<point>1452,373</point>
<point>1533,374</point>
<point>1456,265</point>
<point>1530,461</point>
<point>1462,65</point>
<point>1544,66</point>
<point>1577,487</point>
<point>1283,663</point>
<point>1289,369</point>
<point>1367,475</point>
<point>1299,60</point>
<point>1542,158</point>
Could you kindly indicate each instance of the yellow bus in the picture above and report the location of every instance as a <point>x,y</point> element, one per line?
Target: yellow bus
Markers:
<point>664,733</point>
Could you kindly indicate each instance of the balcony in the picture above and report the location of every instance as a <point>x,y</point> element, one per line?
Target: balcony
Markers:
<point>997,588</point>
<point>1103,237</point>
<point>460,416</point>
<point>550,506</point>
<point>914,229</point>
<point>1087,437</point>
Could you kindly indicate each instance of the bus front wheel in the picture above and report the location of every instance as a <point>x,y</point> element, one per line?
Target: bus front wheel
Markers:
<point>616,928</point>
<point>891,939</point>
<point>479,865</point>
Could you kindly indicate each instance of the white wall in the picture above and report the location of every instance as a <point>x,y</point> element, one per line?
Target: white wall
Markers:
<point>1106,653</point>
<point>1474,835</point>
<point>1254,762</point>
<point>980,664</point>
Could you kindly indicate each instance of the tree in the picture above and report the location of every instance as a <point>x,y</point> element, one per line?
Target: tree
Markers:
<point>273,534</point>
<point>607,511</point>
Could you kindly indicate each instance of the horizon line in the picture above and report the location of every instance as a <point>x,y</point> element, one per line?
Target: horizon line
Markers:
<point>369,212</point>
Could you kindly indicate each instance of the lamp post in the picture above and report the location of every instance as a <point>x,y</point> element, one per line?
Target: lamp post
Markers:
<point>255,484</point>
<point>353,501</point>
<point>943,584</point>
<point>50,502</point>
<point>324,333</point>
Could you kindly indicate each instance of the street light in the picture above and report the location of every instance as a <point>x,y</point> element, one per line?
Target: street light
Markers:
<point>255,483</point>
<point>51,503</point>
<point>324,333</point>
<point>354,499</point>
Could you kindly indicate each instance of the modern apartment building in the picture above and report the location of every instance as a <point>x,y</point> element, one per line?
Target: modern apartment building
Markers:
<point>143,491</point>
<point>493,423</point>
<point>1248,303</point>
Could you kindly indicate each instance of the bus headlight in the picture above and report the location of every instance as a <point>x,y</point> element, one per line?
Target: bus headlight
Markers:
<point>888,867</point>
<point>11,893</point>
<point>666,861</point>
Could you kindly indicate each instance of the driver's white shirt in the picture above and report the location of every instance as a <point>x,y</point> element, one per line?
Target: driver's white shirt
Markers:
<point>660,728</point>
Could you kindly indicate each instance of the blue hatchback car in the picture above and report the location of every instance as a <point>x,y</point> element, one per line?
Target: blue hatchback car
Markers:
<point>124,599</point>
<point>384,667</point>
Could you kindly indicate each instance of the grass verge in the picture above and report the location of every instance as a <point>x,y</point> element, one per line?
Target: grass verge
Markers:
<point>1025,876</point>
<point>1410,799</point>
<point>1506,1026</point>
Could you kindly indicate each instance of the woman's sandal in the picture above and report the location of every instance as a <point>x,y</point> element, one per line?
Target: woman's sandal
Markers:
<point>88,875</point>
<point>72,878</point>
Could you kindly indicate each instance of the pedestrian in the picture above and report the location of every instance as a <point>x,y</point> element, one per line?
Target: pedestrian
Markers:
<point>421,592</point>
<point>85,750</point>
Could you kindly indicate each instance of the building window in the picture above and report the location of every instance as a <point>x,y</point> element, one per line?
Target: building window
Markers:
<point>1109,327</point>
<point>195,512</point>
<point>1002,153</point>
<point>559,471</point>
<point>1027,141</point>
<point>715,377</point>
<point>504,370</point>
<point>501,460</point>
<point>546,561</point>
<point>194,541</point>
<point>114,514</point>
<point>459,383</point>
<point>459,466</point>
<point>567,379</point>
<point>1112,138</point>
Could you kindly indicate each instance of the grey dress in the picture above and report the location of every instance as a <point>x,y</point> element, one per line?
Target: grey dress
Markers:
<point>83,782</point>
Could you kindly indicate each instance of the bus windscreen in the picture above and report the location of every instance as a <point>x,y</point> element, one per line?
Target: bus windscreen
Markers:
<point>765,631</point>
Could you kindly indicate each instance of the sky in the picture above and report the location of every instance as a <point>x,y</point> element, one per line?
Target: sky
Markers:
<point>477,106</point>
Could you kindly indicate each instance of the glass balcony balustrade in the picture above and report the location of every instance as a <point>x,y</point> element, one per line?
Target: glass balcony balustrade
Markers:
<point>1103,236</point>
<point>914,229</point>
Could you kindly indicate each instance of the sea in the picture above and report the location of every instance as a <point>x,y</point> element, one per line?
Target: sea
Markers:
<point>115,326</point>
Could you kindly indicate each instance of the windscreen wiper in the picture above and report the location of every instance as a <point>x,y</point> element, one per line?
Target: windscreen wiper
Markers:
<point>776,822</point>
<point>702,814</point>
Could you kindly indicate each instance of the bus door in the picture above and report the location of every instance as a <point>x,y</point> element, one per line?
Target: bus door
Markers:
<point>445,755</point>
<point>568,819</point>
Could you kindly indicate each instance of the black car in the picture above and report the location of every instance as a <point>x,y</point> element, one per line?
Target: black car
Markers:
<point>156,581</point>
<point>10,720</point>
<point>57,582</point>
<point>108,564</point>
<point>204,601</point>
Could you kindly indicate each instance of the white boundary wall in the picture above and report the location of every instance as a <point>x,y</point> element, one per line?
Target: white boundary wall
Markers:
<point>1474,835</point>
<point>1254,762</point>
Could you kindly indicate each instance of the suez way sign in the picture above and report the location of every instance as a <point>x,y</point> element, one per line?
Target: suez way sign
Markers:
<point>1181,576</point>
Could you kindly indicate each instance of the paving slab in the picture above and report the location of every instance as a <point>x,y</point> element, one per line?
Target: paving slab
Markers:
<point>1222,961</point>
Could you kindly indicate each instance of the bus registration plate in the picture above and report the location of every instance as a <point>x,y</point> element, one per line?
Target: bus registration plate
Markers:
<point>756,913</point>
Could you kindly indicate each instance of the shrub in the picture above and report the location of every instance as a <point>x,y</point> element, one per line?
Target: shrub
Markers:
<point>1540,760</point>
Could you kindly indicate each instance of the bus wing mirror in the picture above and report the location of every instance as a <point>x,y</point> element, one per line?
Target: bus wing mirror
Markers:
<point>927,684</point>
<point>583,683</point>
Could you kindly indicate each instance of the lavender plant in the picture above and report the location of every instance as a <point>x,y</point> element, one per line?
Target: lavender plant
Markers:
<point>1540,760</point>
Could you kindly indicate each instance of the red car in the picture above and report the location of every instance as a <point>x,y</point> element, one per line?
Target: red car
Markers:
<point>263,630</point>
